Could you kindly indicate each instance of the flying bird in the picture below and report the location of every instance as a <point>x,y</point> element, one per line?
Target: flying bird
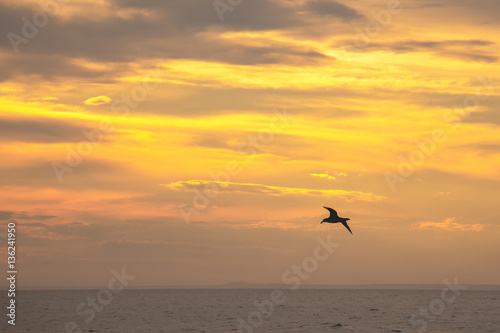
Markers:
<point>334,218</point>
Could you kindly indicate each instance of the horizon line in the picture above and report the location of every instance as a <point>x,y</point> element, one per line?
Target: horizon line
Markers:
<point>263,286</point>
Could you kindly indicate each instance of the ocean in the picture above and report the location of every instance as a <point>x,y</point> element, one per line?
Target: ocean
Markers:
<point>263,310</point>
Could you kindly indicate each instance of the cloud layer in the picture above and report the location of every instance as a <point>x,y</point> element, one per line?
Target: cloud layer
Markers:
<point>115,117</point>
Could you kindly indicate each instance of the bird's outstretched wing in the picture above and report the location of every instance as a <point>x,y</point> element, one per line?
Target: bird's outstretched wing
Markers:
<point>345,225</point>
<point>333,213</point>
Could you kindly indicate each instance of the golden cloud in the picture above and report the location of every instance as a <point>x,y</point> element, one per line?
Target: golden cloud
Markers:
<point>448,224</point>
<point>225,187</point>
<point>328,175</point>
<point>98,100</point>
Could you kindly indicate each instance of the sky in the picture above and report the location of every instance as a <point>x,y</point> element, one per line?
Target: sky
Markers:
<point>195,142</point>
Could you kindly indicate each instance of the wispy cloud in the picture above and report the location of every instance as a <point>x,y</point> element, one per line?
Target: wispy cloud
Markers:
<point>464,49</point>
<point>98,100</point>
<point>249,188</point>
<point>329,175</point>
<point>39,130</point>
<point>332,9</point>
<point>448,224</point>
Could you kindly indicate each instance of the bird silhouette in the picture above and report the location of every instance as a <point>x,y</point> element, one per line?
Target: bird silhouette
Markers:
<point>334,218</point>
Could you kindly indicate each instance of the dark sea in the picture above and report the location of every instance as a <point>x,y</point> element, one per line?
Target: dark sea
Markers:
<point>264,310</point>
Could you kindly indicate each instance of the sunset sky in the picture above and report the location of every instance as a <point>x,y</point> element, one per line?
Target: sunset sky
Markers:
<point>195,142</point>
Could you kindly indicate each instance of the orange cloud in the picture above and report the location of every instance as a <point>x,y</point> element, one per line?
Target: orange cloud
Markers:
<point>448,224</point>
<point>249,188</point>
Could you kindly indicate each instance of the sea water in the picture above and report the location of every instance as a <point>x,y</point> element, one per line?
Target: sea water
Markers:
<point>261,310</point>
